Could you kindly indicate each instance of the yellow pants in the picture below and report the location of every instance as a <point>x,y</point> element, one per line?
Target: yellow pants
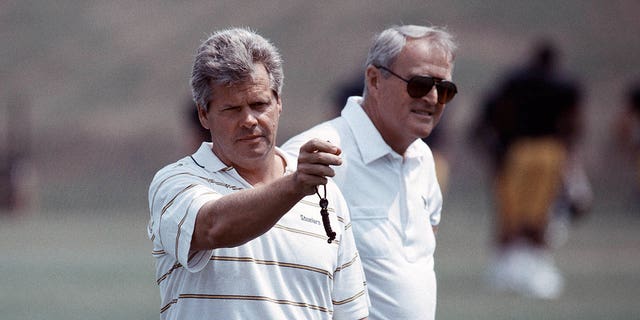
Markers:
<point>527,186</point>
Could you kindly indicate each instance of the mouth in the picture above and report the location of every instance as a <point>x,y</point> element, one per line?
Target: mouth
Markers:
<point>424,113</point>
<point>251,138</point>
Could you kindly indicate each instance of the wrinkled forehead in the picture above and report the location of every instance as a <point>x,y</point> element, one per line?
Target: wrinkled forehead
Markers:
<point>419,57</point>
<point>425,48</point>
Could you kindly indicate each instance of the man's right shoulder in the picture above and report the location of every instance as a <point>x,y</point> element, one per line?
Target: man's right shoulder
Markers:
<point>185,166</point>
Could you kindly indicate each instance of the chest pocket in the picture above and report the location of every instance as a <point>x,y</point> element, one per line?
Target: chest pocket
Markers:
<point>373,231</point>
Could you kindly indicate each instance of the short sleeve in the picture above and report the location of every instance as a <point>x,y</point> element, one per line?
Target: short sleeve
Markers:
<point>175,199</point>
<point>435,207</point>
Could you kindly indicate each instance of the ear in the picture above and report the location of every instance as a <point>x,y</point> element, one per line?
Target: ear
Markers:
<point>372,76</point>
<point>203,115</point>
<point>278,101</point>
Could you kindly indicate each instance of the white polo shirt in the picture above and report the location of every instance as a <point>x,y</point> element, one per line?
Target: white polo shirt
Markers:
<point>290,272</point>
<point>394,201</point>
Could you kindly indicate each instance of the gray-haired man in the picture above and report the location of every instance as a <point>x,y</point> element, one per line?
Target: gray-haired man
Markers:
<point>388,176</point>
<point>236,227</point>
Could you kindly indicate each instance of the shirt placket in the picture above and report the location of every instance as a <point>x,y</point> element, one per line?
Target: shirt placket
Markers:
<point>411,209</point>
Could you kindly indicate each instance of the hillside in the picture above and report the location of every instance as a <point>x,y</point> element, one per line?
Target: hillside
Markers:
<point>104,83</point>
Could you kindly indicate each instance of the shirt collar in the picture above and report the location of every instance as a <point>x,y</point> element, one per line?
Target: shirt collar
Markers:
<point>369,141</point>
<point>291,162</point>
<point>205,158</point>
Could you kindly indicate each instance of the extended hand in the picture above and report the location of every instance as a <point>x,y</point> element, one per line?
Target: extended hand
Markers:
<point>314,161</point>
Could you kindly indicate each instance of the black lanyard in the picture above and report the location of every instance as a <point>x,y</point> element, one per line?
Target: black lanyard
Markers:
<point>324,204</point>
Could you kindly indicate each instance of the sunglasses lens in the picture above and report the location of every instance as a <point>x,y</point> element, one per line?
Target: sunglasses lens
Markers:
<point>446,91</point>
<point>418,87</point>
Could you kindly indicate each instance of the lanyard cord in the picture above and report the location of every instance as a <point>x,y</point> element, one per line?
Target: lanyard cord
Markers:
<point>324,204</point>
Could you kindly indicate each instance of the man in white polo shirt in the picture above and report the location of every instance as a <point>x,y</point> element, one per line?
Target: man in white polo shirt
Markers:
<point>387,175</point>
<point>237,228</point>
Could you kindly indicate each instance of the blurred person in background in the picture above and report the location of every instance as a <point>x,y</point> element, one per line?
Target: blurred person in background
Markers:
<point>388,175</point>
<point>530,126</point>
<point>18,176</point>
<point>627,128</point>
<point>197,134</point>
<point>437,142</point>
<point>235,226</point>
<point>9,190</point>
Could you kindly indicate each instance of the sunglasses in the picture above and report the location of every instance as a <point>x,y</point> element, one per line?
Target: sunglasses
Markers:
<point>419,86</point>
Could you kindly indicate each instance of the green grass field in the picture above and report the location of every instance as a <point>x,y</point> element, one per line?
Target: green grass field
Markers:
<point>77,266</point>
<point>99,266</point>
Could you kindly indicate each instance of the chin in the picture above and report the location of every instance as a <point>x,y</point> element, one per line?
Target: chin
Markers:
<point>428,132</point>
<point>423,132</point>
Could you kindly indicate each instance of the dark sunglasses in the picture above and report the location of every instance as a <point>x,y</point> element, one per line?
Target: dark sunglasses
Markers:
<point>419,86</point>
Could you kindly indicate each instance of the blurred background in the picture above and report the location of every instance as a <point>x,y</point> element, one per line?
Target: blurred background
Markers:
<point>93,100</point>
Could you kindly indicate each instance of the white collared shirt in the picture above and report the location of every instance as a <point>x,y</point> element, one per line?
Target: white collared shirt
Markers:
<point>289,272</point>
<point>394,201</point>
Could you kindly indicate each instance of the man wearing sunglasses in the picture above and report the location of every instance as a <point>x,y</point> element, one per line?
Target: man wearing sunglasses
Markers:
<point>387,175</point>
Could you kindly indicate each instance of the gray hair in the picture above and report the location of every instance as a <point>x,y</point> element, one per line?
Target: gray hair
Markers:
<point>388,44</point>
<point>227,57</point>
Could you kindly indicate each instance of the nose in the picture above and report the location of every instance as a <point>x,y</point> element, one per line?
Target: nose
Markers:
<point>432,96</point>
<point>249,119</point>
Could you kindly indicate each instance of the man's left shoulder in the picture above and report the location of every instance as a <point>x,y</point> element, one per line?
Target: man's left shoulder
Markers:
<point>328,131</point>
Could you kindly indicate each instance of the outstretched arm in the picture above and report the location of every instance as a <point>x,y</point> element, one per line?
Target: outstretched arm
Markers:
<point>242,216</point>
